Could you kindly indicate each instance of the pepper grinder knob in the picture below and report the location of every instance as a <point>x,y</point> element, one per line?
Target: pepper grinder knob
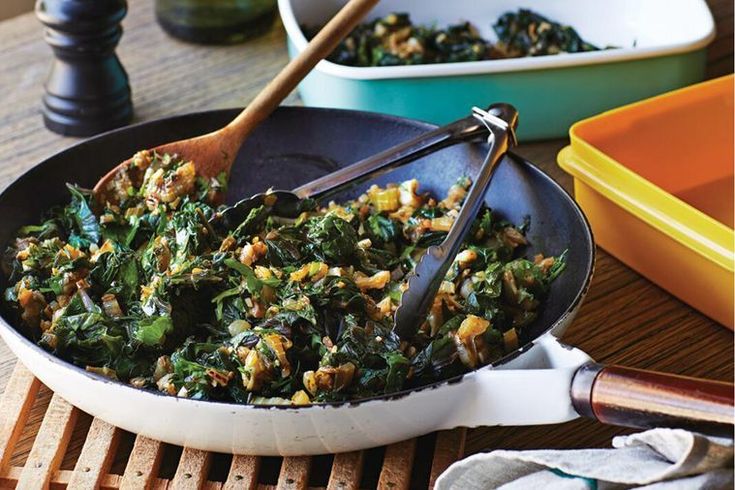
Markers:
<point>87,91</point>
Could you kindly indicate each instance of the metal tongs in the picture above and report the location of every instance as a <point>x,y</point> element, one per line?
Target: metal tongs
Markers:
<point>498,123</point>
<point>286,203</point>
<point>423,283</point>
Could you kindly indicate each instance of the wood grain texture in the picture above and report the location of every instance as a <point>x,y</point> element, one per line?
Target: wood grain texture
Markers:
<point>15,407</point>
<point>49,446</point>
<point>243,473</point>
<point>192,470</point>
<point>397,464</point>
<point>143,465</point>
<point>449,448</point>
<point>294,473</point>
<point>625,319</point>
<point>96,456</point>
<point>346,471</point>
<point>647,399</point>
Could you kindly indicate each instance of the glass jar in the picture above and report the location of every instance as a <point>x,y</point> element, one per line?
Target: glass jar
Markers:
<point>215,21</point>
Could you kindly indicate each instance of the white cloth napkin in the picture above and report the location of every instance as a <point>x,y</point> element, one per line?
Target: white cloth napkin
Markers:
<point>660,459</point>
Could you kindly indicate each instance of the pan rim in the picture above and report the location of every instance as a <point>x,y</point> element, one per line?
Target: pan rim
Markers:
<point>570,310</point>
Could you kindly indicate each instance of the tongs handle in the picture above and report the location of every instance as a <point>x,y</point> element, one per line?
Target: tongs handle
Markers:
<point>466,129</point>
<point>463,130</point>
<point>424,281</point>
<point>630,397</point>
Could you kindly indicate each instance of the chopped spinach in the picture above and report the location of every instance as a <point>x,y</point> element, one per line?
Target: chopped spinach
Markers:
<point>394,40</point>
<point>259,308</point>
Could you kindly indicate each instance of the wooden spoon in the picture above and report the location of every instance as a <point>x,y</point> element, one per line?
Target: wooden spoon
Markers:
<point>214,153</point>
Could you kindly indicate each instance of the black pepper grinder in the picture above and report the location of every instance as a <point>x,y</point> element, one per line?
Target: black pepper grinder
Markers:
<point>87,91</point>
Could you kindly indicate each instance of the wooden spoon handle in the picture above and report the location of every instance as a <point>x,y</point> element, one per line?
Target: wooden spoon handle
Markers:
<point>278,89</point>
<point>644,399</point>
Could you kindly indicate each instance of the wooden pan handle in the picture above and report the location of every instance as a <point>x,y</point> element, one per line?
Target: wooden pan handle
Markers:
<point>645,399</point>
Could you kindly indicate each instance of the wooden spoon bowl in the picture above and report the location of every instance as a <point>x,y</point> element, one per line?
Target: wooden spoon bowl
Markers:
<point>213,154</point>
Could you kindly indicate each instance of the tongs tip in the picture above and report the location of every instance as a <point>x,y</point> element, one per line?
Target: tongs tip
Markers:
<point>491,121</point>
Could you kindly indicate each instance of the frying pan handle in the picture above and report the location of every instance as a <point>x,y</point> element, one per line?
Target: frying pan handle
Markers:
<point>644,399</point>
<point>531,388</point>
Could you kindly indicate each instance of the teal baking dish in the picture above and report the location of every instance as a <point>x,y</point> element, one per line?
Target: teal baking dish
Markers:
<point>661,46</point>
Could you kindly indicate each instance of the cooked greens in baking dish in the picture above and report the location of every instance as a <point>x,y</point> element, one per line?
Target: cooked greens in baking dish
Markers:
<point>160,291</point>
<point>395,40</point>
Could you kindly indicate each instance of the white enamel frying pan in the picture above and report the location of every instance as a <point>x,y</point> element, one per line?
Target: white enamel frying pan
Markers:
<point>544,382</point>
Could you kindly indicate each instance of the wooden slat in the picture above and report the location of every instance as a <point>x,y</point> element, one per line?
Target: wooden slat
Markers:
<point>397,464</point>
<point>192,470</point>
<point>243,473</point>
<point>142,468</point>
<point>9,477</point>
<point>15,406</point>
<point>346,471</point>
<point>158,484</point>
<point>96,456</point>
<point>294,473</point>
<point>59,479</point>
<point>449,448</point>
<point>48,449</point>
<point>111,482</point>
<point>345,474</point>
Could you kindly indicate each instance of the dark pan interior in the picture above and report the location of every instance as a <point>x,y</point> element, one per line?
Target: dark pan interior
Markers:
<point>296,145</point>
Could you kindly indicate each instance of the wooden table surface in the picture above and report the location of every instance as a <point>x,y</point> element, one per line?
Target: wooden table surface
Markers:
<point>625,319</point>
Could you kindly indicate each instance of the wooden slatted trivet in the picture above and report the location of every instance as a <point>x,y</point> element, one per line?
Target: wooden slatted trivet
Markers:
<point>46,442</point>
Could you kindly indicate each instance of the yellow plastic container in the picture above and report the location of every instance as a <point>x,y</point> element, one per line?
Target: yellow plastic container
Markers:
<point>655,179</point>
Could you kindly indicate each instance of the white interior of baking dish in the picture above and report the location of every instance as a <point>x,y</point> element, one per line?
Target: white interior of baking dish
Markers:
<point>640,29</point>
